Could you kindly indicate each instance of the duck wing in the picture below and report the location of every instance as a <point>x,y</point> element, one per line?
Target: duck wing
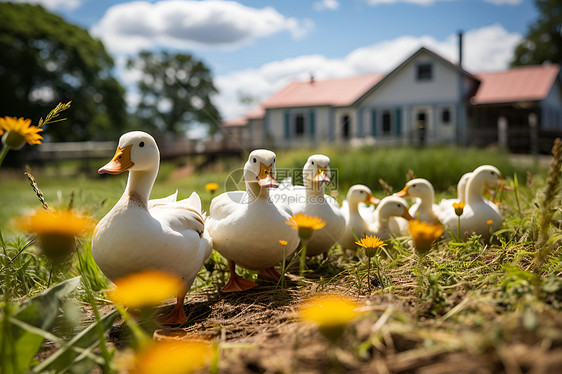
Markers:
<point>180,215</point>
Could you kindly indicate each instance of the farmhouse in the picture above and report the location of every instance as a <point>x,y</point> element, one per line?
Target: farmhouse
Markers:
<point>424,100</point>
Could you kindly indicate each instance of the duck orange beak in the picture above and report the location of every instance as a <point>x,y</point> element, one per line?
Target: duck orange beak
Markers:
<point>265,177</point>
<point>321,176</point>
<point>402,193</point>
<point>372,200</point>
<point>120,162</point>
<point>407,215</point>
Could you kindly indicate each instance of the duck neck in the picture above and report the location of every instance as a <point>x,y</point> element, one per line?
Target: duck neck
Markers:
<point>473,191</point>
<point>139,185</point>
<point>426,202</point>
<point>353,209</point>
<point>313,188</point>
<point>256,191</point>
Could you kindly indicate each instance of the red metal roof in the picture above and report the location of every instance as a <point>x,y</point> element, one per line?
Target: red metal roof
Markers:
<point>336,92</point>
<point>525,83</point>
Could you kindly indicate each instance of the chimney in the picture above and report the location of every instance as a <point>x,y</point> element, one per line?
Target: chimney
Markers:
<point>311,79</point>
<point>460,49</point>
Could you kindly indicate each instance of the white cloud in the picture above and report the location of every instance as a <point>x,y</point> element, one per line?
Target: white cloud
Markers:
<point>485,49</point>
<point>326,5</point>
<point>52,4</point>
<point>129,27</point>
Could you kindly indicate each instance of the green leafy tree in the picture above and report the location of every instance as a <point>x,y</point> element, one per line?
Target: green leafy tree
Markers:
<point>45,60</point>
<point>175,91</point>
<point>543,42</point>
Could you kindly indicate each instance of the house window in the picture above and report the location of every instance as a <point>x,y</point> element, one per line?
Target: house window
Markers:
<point>346,124</point>
<point>446,116</point>
<point>299,125</point>
<point>386,122</point>
<point>424,72</point>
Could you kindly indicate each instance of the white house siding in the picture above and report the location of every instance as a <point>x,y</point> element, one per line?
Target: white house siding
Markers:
<point>281,126</point>
<point>551,109</point>
<point>406,97</point>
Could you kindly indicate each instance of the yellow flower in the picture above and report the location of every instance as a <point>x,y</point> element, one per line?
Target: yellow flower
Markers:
<point>424,235</point>
<point>489,222</point>
<point>173,357</point>
<point>305,225</point>
<point>330,313</point>
<point>459,207</point>
<point>212,187</point>
<point>56,231</point>
<point>370,243</point>
<point>147,288</point>
<point>282,242</point>
<point>18,131</point>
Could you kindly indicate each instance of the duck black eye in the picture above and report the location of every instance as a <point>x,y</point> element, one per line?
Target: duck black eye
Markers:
<point>414,186</point>
<point>255,160</point>
<point>141,144</point>
<point>312,162</point>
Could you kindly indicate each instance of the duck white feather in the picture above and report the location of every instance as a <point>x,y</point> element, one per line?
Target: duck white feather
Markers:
<point>138,234</point>
<point>477,211</point>
<point>246,226</point>
<point>389,207</point>
<point>311,200</point>
<point>356,214</point>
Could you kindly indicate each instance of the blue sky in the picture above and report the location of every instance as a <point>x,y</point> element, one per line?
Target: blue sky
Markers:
<point>255,47</point>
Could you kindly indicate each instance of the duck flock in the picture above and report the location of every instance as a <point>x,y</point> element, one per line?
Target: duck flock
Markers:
<point>246,227</point>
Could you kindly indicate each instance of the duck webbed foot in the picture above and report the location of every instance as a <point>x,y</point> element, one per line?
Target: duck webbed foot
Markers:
<point>237,283</point>
<point>270,274</point>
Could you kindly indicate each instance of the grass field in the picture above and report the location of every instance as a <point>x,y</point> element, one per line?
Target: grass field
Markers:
<point>468,306</point>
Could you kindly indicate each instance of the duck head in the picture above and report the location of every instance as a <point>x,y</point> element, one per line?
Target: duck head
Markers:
<point>137,151</point>
<point>360,193</point>
<point>316,171</point>
<point>393,206</point>
<point>418,187</point>
<point>259,171</point>
<point>488,175</point>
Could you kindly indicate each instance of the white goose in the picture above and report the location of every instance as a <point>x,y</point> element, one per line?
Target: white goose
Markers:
<point>311,200</point>
<point>246,226</point>
<point>477,211</point>
<point>356,222</point>
<point>389,207</point>
<point>138,234</point>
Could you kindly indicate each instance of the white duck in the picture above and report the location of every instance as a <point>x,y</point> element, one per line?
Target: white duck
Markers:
<point>425,208</point>
<point>477,211</point>
<point>356,222</point>
<point>138,234</point>
<point>389,207</point>
<point>311,200</point>
<point>447,204</point>
<point>246,226</point>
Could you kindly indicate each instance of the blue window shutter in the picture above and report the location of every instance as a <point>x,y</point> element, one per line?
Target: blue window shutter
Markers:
<point>331,125</point>
<point>312,124</point>
<point>398,121</point>
<point>374,122</point>
<point>287,125</point>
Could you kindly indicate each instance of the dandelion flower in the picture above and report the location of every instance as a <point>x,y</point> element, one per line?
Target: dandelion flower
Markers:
<point>18,131</point>
<point>147,288</point>
<point>283,242</point>
<point>330,313</point>
<point>459,207</point>
<point>174,357</point>
<point>489,222</point>
<point>305,225</point>
<point>57,231</point>
<point>211,187</point>
<point>370,243</point>
<point>424,235</point>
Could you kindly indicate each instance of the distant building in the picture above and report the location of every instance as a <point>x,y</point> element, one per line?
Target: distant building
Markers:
<point>425,100</point>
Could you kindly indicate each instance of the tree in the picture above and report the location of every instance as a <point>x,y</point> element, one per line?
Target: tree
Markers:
<point>543,42</point>
<point>176,91</point>
<point>45,60</point>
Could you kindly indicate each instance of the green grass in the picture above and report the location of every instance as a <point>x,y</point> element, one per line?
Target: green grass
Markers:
<point>464,297</point>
